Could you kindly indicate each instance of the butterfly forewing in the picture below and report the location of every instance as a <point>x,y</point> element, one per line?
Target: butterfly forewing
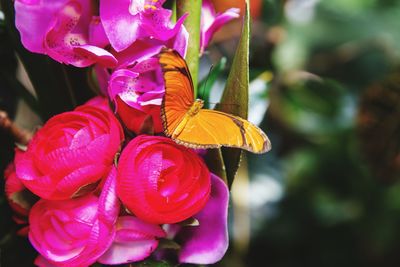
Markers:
<point>178,89</point>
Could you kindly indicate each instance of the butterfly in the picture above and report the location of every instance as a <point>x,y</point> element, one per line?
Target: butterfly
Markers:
<point>187,123</point>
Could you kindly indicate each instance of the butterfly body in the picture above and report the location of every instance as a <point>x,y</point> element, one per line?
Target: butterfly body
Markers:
<point>187,123</point>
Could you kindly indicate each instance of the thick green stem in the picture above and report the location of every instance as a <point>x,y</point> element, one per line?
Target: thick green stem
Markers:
<point>192,24</point>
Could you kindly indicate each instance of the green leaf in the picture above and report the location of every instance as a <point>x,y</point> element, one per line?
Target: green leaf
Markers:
<point>215,163</point>
<point>21,90</point>
<point>235,99</point>
<point>192,24</point>
<point>207,83</point>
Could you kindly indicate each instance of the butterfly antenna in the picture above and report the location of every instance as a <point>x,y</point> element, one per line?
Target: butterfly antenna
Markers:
<point>205,84</point>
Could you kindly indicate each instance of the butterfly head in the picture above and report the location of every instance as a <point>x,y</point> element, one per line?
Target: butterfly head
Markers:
<point>195,108</point>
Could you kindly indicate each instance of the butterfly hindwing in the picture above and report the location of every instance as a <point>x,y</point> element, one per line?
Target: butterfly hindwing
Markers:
<point>212,129</point>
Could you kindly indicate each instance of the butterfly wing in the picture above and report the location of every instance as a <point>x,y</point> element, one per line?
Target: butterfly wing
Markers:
<point>207,128</point>
<point>213,129</point>
<point>179,95</point>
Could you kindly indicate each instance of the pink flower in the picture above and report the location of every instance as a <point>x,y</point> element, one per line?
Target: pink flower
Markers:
<point>60,29</point>
<point>138,86</point>
<point>134,241</point>
<point>212,21</point>
<point>71,153</point>
<point>138,79</point>
<point>19,198</point>
<point>207,242</point>
<point>14,190</point>
<point>126,21</point>
<point>137,93</point>
<point>160,181</point>
<point>75,232</point>
<point>146,119</point>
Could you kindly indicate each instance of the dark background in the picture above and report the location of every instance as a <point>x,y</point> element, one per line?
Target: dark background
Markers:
<point>328,194</point>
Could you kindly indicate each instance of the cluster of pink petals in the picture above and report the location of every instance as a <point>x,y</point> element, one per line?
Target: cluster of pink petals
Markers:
<point>75,232</point>
<point>72,152</point>
<point>16,194</point>
<point>57,28</point>
<point>121,37</point>
<point>76,217</point>
<point>160,181</point>
<point>78,221</point>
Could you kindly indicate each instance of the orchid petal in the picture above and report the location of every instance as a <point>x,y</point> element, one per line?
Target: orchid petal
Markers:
<point>32,21</point>
<point>139,51</point>
<point>119,24</point>
<point>65,33</point>
<point>212,21</point>
<point>121,81</point>
<point>208,242</point>
<point>97,35</point>
<point>135,241</point>
<point>97,54</point>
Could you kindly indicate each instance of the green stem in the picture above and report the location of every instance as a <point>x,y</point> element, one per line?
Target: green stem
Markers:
<point>192,24</point>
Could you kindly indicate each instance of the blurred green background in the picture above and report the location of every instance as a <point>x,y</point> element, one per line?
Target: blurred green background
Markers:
<point>328,194</point>
<point>325,86</point>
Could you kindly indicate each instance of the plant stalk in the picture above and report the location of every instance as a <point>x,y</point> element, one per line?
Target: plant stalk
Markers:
<point>192,24</point>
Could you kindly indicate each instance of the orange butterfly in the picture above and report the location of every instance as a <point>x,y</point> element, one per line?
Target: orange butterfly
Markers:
<point>188,124</point>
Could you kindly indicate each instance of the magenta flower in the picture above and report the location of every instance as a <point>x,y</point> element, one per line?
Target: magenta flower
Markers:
<point>75,232</point>
<point>139,82</point>
<point>212,21</point>
<point>207,242</point>
<point>14,190</point>
<point>160,181</point>
<point>126,21</point>
<point>19,198</point>
<point>134,241</point>
<point>71,153</point>
<point>138,86</point>
<point>60,29</point>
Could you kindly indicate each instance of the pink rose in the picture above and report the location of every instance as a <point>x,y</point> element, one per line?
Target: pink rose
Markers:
<point>14,189</point>
<point>75,232</point>
<point>19,198</point>
<point>72,152</point>
<point>161,181</point>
